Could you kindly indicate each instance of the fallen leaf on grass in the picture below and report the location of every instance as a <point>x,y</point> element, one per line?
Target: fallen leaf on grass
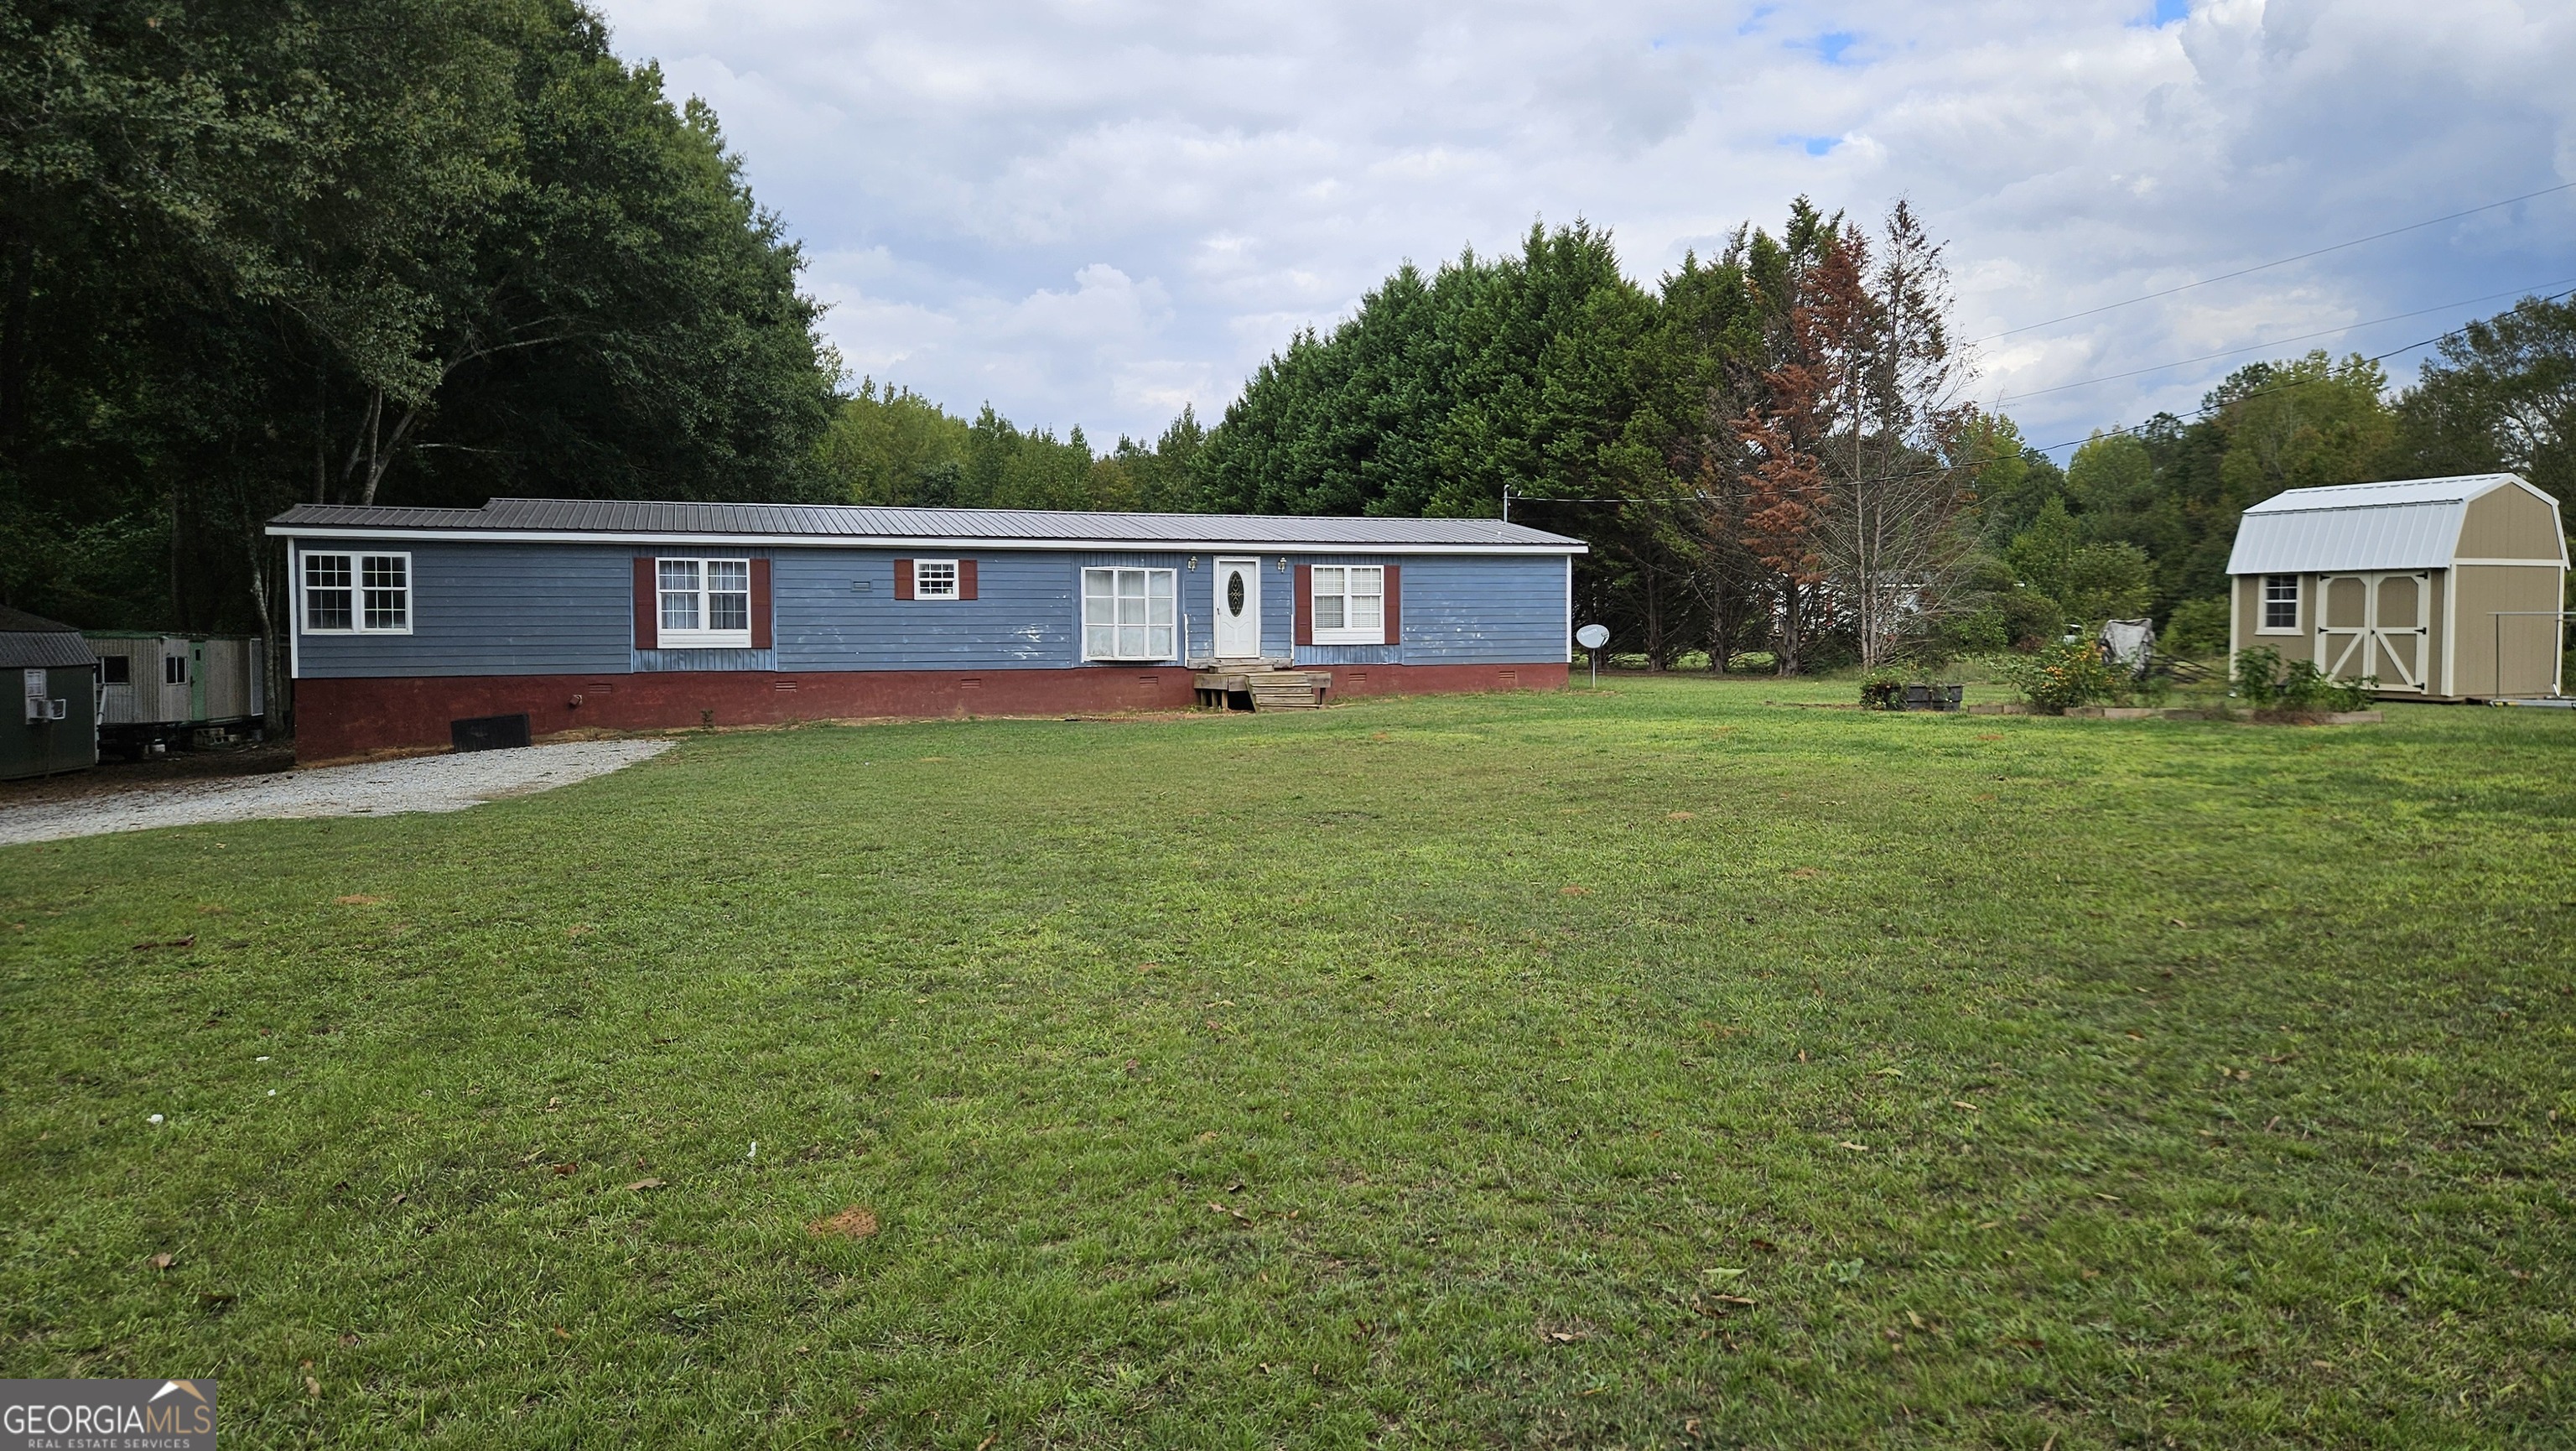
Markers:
<point>1963,1103</point>
<point>2178,922</point>
<point>579,929</point>
<point>851,1223</point>
<point>358,899</point>
<point>2135,1037</point>
<point>2113,1198</point>
<point>562,1334</point>
<point>1848,1144</point>
<point>1734,1299</point>
<point>562,1169</point>
<point>1681,816</point>
<point>1764,1245</point>
<point>641,1185</point>
<point>161,1261</point>
<point>312,1387</point>
<point>1238,1214</point>
<point>1574,891</point>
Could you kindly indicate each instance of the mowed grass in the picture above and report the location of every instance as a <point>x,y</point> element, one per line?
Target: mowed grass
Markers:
<point>1652,1067</point>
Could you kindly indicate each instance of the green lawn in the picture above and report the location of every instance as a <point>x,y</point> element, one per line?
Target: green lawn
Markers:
<point>1653,1067</point>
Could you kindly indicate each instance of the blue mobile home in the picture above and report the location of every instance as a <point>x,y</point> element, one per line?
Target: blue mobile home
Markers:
<point>585,613</point>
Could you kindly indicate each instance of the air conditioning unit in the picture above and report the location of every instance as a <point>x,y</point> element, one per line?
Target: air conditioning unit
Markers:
<point>58,710</point>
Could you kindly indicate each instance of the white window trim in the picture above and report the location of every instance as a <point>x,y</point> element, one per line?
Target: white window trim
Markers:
<point>670,639</point>
<point>1082,619</point>
<point>2263,605</point>
<point>956,580</point>
<point>1350,634</point>
<point>357,592</point>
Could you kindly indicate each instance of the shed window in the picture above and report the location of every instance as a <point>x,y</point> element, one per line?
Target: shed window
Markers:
<point>1350,604</point>
<point>705,603</point>
<point>1127,614</point>
<point>357,594</point>
<point>2280,602</point>
<point>934,579</point>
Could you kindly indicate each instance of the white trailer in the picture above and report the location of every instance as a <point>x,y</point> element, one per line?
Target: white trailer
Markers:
<point>158,690</point>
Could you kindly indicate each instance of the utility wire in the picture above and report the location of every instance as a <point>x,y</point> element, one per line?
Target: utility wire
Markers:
<point>2281,262</point>
<point>2276,342</point>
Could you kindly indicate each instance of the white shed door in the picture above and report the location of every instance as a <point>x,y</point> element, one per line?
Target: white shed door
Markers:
<point>1238,609</point>
<point>2377,625</point>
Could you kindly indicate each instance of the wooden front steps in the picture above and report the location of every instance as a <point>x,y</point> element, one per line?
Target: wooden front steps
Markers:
<point>1261,687</point>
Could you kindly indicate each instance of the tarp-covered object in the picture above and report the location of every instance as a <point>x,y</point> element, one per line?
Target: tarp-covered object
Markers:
<point>2129,643</point>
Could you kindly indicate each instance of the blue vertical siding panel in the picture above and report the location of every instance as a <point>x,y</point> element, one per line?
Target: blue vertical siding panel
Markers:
<point>1026,614</point>
<point>654,661</point>
<point>1484,610</point>
<point>1462,610</point>
<point>492,609</point>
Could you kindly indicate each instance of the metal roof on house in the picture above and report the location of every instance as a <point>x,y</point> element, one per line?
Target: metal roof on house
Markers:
<point>31,641</point>
<point>620,520</point>
<point>2408,524</point>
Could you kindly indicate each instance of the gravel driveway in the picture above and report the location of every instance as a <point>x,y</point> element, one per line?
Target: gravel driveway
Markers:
<point>381,788</point>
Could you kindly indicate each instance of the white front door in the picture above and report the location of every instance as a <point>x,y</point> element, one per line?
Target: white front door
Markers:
<point>1238,609</point>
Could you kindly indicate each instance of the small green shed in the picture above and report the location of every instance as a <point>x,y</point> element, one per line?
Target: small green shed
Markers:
<point>59,676</point>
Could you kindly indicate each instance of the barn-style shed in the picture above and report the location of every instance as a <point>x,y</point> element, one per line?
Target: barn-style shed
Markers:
<point>2445,589</point>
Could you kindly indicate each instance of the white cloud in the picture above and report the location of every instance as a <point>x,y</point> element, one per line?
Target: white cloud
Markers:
<point>1089,211</point>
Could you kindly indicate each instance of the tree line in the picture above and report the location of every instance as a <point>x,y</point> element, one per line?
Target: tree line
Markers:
<point>399,251</point>
<point>434,251</point>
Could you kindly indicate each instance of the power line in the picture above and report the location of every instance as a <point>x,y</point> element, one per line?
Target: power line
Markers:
<point>2280,262</point>
<point>2276,342</point>
<point>2207,409</point>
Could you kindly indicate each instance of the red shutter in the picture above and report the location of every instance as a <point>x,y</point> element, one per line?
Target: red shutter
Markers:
<point>903,579</point>
<point>761,635</point>
<point>965,579</point>
<point>1394,604</point>
<point>1303,604</point>
<point>648,606</point>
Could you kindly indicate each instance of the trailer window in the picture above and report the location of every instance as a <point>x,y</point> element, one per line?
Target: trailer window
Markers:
<point>705,603</point>
<point>174,669</point>
<point>357,594</point>
<point>1127,614</point>
<point>115,670</point>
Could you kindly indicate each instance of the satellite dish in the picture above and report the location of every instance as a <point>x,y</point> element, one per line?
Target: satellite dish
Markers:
<point>1592,637</point>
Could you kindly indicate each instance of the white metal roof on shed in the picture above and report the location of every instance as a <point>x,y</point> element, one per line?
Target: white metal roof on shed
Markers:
<point>2411,524</point>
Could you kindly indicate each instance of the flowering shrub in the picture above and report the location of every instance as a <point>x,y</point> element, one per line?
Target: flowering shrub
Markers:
<point>2068,673</point>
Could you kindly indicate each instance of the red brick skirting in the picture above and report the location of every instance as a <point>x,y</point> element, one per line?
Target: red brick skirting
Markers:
<point>344,717</point>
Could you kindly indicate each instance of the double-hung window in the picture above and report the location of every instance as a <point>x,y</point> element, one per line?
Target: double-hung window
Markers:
<point>1350,604</point>
<point>1127,614</point>
<point>357,594</point>
<point>2281,602</point>
<point>706,603</point>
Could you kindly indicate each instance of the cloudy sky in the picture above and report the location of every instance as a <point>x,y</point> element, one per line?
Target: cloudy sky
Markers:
<point>1088,212</point>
